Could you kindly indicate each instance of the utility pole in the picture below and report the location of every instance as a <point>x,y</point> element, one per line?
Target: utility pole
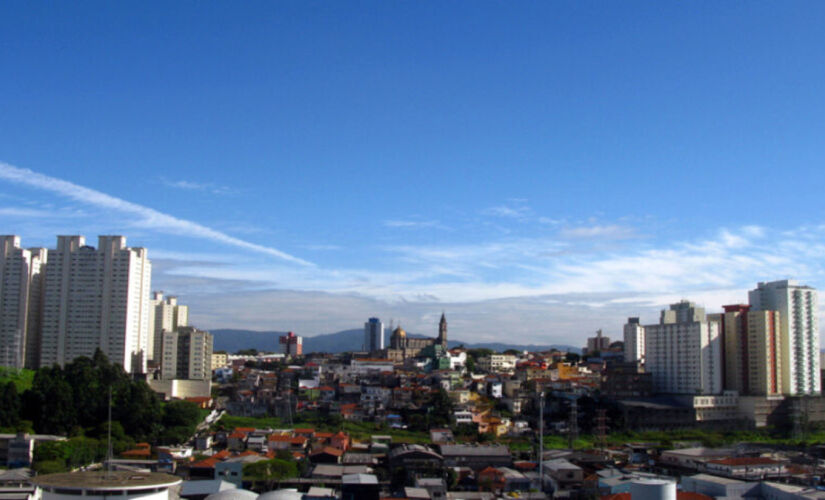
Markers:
<point>573,431</point>
<point>541,441</point>
<point>601,428</point>
<point>109,453</point>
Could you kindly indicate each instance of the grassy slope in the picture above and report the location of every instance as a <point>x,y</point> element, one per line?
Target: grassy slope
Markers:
<point>357,430</point>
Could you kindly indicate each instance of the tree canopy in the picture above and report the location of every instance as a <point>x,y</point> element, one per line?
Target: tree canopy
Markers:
<point>74,401</point>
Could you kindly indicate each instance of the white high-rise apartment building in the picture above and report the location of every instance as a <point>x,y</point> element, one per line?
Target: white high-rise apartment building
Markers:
<point>684,352</point>
<point>96,299</point>
<point>187,354</point>
<point>373,335</point>
<point>165,315</point>
<point>634,341</point>
<point>799,327</point>
<point>20,295</point>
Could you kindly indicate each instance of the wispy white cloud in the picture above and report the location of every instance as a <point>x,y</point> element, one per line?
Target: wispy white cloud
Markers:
<point>606,232</point>
<point>27,212</point>
<point>524,277</point>
<point>146,217</point>
<point>514,212</point>
<point>197,186</point>
<point>322,247</point>
<point>414,224</point>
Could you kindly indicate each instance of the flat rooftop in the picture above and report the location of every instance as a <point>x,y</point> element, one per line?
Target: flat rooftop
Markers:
<point>120,480</point>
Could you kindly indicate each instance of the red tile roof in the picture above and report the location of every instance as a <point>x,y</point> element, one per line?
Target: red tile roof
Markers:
<point>329,451</point>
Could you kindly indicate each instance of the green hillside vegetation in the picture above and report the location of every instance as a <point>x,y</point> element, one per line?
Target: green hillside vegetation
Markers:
<point>22,379</point>
<point>73,401</point>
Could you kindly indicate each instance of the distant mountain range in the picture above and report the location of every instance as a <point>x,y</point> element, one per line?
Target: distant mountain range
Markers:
<point>231,340</point>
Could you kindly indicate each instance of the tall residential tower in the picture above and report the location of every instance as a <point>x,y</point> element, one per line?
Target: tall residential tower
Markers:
<point>799,326</point>
<point>165,315</point>
<point>373,335</point>
<point>20,296</point>
<point>684,351</point>
<point>96,299</point>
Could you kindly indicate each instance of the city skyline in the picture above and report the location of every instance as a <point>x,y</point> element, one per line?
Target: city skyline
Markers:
<point>541,172</point>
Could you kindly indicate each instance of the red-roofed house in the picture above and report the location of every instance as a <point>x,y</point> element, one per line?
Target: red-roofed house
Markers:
<point>141,450</point>
<point>236,441</point>
<point>491,479</point>
<point>326,455</point>
<point>340,441</point>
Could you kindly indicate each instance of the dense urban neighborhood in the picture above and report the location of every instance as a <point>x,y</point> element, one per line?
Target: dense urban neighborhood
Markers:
<point>416,419</point>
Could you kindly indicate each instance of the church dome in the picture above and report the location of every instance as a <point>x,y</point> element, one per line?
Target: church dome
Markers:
<point>400,332</point>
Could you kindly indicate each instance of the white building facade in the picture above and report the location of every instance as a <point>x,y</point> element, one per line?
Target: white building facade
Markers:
<point>684,352</point>
<point>165,315</point>
<point>799,326</point>
<point>634,341</point>
<point>20,297</point>
<point>96,299</point>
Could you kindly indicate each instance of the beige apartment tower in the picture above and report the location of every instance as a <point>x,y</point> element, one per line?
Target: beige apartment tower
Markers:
<point>21,288</point>
<point>753,350</point>
<point>187,354</point>
<point>165,315</point>
<point>96,298</point>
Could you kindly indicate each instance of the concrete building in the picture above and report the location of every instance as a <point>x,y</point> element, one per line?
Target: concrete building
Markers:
<point>96,299</point>
<point>753,349</point>
<point>373,335</point>
<point>497,363</point>
<point>219,359</point>
<point>102,485</point>
<point>17,450</point>
<point>684,352</point>
<point>21,287</point>
<point>165,315</point>
<point>597,344</point>
<point>634,341</point>
<point>292,344</point>
<point>799,325</point>
<point>187,354</point>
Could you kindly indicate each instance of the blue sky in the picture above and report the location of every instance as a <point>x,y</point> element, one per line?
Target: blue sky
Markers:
<point>537,170</point>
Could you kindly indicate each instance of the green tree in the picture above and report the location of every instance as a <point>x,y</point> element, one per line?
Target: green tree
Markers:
<point>442,409</point>
<point>181,413</point>
<point>270,472</point>
<point>9,405</point>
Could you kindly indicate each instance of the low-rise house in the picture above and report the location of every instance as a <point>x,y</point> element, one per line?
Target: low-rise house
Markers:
<point>17,450</point>
<point>231,469</point>
<point>336,472</point>
<point>693,458</point>
<point>326,455</point>
<point>435,486</point>
<point>442,436</point>
<point>415,460</point>
<point>256,443</point>
<point>340,441</point>
<point>514,480</point>
<point>491,479</point>
<point>746,467</point>
<point>475,456</point>
<point>236,441</point>
<point>563,474</point>
<point>715,486</point>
